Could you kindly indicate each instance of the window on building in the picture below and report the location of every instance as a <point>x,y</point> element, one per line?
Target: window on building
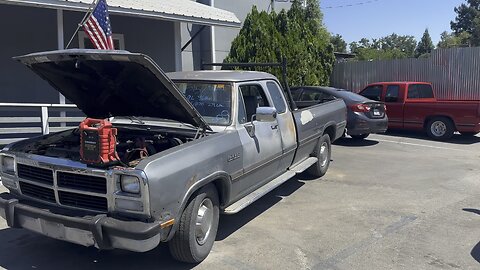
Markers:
<point>85,43</point>
<point>392,93</point>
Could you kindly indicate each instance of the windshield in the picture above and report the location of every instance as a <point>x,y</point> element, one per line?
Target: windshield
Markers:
<point>212,100</point>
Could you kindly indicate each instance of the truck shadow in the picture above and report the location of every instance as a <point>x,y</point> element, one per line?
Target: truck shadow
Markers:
<point>355,143</point>
<point>21,249</point>
<point>456,139</point>
<point>229,224</point>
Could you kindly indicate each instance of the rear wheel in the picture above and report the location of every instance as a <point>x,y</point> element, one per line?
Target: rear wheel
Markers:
<point>360,137</point>
<point>198,226</point>
<point>323,153</point>
<point>440,128</point>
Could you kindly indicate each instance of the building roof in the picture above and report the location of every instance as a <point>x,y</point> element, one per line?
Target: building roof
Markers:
<point>221,75</point>
<point>172,10</point>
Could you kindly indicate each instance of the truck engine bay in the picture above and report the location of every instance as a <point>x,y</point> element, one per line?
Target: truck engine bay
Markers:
<point>120,145</point>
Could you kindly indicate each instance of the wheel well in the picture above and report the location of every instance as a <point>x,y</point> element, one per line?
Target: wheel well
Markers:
<point>428,118</point>
<point>222,190</point>
<point>330,131</point>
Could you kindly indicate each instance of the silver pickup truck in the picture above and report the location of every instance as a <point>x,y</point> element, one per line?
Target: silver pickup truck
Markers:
<point>187,147</point>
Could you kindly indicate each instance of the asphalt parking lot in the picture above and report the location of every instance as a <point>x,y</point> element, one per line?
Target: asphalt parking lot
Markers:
<point>395,201</point>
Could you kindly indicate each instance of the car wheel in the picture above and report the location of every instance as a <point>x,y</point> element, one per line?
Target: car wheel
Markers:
<point>323,153</point>
<point>360,137</point>
<point>440,128</point>
<point>198,226</point>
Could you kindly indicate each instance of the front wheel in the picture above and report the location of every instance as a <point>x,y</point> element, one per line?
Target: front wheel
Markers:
<point>323,153</point>
<point>440,128</point>
<point>198,226</point>
<point>360,137</point>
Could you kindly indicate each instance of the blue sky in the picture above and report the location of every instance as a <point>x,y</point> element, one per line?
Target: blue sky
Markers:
<point>383,17</point>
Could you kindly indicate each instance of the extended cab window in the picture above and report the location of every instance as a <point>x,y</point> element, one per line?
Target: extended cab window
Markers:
<point>277,97</point>
<point>311,95</point>
<point>392,93</point>
<point>373,92</point>
<point>212,100</point>
<point>420,91</point>
<point>253,97</point>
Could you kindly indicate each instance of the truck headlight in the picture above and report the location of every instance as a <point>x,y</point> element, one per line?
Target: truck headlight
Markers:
<point>8,165</point>
<point>130,184</point>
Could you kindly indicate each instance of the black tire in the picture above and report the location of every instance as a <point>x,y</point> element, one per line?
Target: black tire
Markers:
<point>320,167</point>
<point>185,246</point>
<point>440,128</point>
<point>360,137</point>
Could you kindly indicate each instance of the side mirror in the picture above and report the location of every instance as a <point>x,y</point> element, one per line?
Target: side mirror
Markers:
<point>266,114</point>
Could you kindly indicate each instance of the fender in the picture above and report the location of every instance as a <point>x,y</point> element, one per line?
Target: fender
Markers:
<point>223,192</point>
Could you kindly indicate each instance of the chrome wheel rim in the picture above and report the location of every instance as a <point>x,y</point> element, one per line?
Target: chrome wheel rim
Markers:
<point>438,128</point>
<point>324,154</point>
<point>203,224</point>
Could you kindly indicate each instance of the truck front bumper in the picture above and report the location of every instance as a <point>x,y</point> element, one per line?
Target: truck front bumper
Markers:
<point>100,231</point>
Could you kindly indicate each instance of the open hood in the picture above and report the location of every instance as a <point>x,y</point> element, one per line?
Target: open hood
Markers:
<point>114,83</point>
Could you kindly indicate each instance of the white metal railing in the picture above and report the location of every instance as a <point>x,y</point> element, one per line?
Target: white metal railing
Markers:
<point>43,120</point>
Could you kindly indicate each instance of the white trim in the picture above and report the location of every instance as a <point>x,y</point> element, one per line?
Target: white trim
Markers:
<point>82,37</point>
<point>178,45</point>
<point>212,39</point>
<point>182,11</point>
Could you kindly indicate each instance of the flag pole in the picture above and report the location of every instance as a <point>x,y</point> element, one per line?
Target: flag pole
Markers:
<point>86,17</point>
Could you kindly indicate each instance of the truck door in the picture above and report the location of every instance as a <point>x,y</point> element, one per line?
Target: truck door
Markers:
<point>394,102</point>
<point>285,121</point>
<point>262,153</point>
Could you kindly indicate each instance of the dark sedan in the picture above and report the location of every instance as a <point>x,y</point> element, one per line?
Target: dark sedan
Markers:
<point>365,116</point>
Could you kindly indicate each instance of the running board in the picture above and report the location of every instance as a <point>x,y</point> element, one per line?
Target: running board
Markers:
<point>302,166</point>
<point>257,194</point>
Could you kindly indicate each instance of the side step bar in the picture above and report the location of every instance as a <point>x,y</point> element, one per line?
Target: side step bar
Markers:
<point>257,194</point>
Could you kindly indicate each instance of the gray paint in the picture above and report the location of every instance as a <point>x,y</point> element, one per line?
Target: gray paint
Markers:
<point>453,73</point>
<point>172,176</point>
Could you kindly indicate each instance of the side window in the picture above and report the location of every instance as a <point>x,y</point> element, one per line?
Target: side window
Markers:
<point>296,93</point>
<point>311,95</point>
<point>242,114</point>
<point>253,97</point>
<point>373,92</point>
<point>277,97</point>
<point>392,93</point>
<point>420,91</point>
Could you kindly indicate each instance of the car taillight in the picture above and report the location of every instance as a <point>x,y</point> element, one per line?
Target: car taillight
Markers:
<point>385,107</point>
<point>360,108</point>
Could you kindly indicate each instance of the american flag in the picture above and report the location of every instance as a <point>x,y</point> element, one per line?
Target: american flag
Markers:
<point>98,28</point>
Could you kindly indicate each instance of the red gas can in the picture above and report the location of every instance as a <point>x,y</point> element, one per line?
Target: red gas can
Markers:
<point>97,142</point>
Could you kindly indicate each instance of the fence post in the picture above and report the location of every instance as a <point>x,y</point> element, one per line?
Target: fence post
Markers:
<point>45,127</point>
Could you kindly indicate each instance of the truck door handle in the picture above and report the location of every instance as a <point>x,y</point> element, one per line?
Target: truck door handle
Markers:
<point>274,127</point>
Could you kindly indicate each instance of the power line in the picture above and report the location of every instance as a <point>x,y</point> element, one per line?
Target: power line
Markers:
<point>352,5</point>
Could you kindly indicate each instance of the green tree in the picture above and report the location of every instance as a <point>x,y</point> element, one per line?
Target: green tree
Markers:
<point>468,20</point>
<point>390,47</point>
<point>451,40</point>
<point>339,45</point>
<point>425,46</point>
<point>297,34</point>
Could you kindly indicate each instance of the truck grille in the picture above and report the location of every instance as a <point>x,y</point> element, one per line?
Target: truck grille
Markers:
<point>82,182</point>
<point>83,201</point>
<point>38,192</point>
<point>35,174</point>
